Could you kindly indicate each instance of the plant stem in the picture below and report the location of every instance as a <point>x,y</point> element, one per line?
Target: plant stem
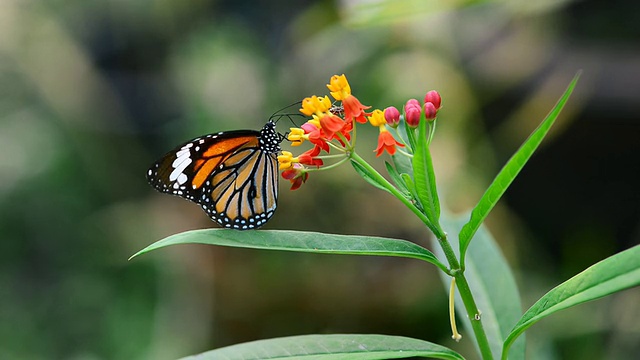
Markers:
<point>475,317</point>
<point>395,192</point>
<point>454,265</point>
<point>467,298</point>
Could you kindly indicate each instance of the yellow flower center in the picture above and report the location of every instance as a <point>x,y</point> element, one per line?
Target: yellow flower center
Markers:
<point>377,118</point>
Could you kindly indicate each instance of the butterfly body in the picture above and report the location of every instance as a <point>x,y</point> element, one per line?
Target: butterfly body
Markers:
<point>232,175</point>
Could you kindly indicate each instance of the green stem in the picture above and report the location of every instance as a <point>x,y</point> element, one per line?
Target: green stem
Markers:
<point>475,317</point>
<point>455,270</point>
<point>449,254</point>
<point>393,190</point>
<point>467,298</point>
<point>327,167</point>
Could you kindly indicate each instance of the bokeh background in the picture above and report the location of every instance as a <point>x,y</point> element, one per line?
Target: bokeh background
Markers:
<point>92,92</point>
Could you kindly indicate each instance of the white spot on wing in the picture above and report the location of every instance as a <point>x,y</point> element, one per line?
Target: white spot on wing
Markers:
<point>181,156</point>
<point>182,178</point>
<point>177,172</point>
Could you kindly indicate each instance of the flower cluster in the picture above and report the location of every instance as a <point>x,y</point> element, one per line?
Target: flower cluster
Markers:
<point>333,124</point>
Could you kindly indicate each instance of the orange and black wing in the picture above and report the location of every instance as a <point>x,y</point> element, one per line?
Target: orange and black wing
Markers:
<point>232,175</point>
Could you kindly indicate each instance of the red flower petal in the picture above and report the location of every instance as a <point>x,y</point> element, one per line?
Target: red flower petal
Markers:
<point>331,124</point>
<point>353,109</point>
<point>387,143</point>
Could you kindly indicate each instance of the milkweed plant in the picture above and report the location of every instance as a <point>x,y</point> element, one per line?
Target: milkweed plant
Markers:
<point>482,290</point>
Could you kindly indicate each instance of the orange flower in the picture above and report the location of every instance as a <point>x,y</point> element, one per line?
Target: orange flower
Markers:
<point>386,142</point>
<point>309,157</point>
<point>315,136</point>
<point>353,109</point>
<point>341,91</point>
<point>331,124</point>
<point>296,175</point>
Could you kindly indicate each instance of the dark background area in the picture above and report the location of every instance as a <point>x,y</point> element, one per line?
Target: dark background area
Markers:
<point>92,92</point>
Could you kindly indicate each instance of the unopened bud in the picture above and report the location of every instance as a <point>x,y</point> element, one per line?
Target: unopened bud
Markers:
<point>412,102</point>
<point>412,115</point>
<point>430,111</point>
<point>434,98</point>
<point>392,115</point>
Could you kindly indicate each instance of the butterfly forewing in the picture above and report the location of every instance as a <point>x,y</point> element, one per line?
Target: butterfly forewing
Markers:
<point>232,175</point>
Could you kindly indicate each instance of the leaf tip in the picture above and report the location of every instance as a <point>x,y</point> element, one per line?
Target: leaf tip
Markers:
<point>137,254</point>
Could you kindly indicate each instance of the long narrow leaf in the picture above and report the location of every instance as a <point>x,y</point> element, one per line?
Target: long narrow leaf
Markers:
<point>509,172</point>
<point>402,164</point>
<point>412,189</point>
<point>397,179</point>
<point>613,274</point>
<point>424,177</point>
<point>331,347</point>
<point>301,241</point>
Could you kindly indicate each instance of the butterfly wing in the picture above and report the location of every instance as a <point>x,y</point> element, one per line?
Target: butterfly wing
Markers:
<point>232,175</point>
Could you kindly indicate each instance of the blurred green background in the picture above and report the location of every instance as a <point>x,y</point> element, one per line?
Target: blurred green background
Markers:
<point>92,92</point>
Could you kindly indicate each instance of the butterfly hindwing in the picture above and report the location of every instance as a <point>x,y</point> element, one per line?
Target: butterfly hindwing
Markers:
<point>238,197</point>
<point>232,175</point>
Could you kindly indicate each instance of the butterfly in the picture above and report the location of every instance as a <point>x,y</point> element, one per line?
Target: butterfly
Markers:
<point>232,175</point>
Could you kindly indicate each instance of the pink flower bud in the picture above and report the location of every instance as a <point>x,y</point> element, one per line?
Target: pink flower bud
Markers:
<point>392,115</point>
<point>412,102</point>
<point>434,98</point>
<point>430,111</point>
<point>412,115</point>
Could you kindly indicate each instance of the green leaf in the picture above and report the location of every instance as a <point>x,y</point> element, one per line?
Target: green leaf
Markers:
<point>367,176</point>
<point>424,177</point>
<point>412,189</point>
<point>363,14</point>
<point>403,164</point>
<point>492,284</point>
<point>331,347</point>
<point>406,136</point>
<point>509,172</point>
<point>313,242</point>
<point>397,179</point>
<point>613,274</point>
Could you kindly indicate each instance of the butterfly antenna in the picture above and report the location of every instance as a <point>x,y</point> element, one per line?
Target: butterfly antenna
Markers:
<point>277,115</point>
